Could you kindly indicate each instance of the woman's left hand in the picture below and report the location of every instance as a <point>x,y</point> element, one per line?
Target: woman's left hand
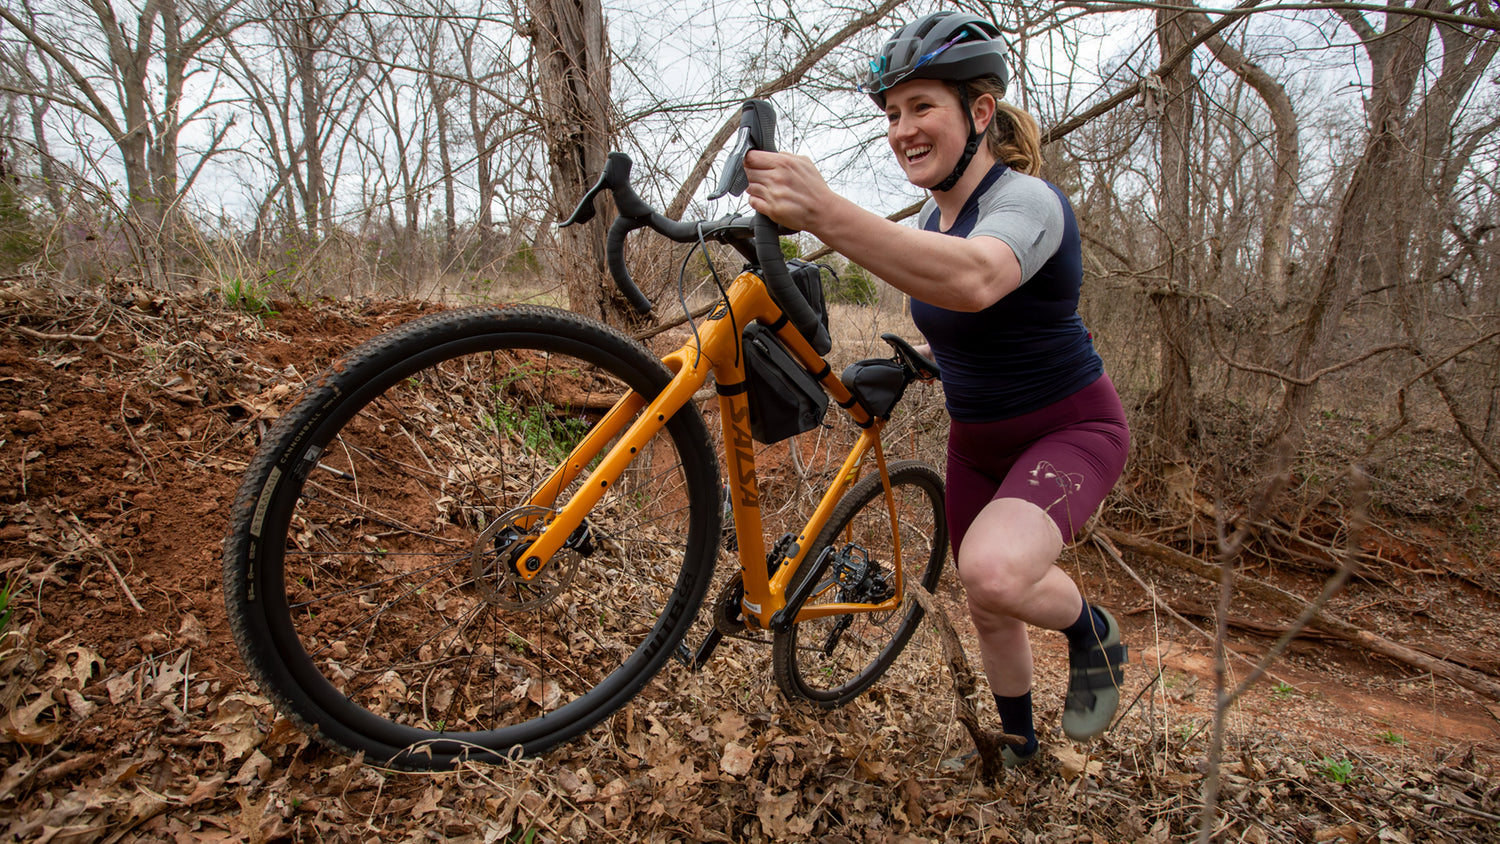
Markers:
<point>788,189</point>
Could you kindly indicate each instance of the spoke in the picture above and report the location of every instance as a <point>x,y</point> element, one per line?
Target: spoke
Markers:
<point>373,614</point>
<point>374,583</point>
<point>337,502</point>
<point>401,662</point>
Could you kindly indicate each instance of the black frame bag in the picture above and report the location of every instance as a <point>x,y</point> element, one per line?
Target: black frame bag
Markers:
<point>785,400</point>
<point>809,280</point>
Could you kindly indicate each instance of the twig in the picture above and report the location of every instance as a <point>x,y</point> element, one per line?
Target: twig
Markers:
<point>109,561</point>
<point>987,742</point>
<point>646,334</point>
<point>140,449</point>
<point>1478,813</point>
<point>76,338</point>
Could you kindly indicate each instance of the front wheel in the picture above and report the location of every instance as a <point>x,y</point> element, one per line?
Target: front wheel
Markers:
<point>376,575</point>
<point>832,660</point>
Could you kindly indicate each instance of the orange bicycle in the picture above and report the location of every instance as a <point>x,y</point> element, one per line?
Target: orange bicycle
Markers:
<point>482,533</point>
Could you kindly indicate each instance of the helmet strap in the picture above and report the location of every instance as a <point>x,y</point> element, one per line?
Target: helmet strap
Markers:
<point>970,148</point>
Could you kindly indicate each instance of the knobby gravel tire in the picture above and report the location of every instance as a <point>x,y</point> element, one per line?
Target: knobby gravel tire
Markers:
<point>369,579</point>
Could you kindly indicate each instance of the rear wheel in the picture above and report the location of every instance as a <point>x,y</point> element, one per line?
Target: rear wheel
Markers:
<point>375,569</point>
<point>832,660</point>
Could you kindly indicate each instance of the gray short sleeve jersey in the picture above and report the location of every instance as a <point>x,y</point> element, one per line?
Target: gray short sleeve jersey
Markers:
<point>1021,210</point>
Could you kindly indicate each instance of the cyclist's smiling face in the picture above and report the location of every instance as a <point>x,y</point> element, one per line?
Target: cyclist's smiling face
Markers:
<point>926,129</point>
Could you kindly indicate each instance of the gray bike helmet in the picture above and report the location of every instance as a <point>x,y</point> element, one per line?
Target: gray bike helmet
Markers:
<point>949,46</point>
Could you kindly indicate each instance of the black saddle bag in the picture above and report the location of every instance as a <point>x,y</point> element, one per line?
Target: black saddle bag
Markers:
<point>785,400</point>
<point>878,383</point>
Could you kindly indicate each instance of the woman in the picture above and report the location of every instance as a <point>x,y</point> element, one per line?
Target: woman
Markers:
<point>1038,437</point>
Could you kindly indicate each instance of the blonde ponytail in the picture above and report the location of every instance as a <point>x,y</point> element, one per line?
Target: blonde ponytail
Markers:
<point>1013,136</point>
<point>1015,139</point>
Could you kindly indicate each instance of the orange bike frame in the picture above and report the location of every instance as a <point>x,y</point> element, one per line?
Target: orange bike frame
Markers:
<point>717,349</point>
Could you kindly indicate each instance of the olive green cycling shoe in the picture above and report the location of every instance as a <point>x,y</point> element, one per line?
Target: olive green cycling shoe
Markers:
<point>1009,758</point>
<point>1095,673</point>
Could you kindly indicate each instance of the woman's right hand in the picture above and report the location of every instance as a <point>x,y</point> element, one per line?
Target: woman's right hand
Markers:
<point>788,189</point>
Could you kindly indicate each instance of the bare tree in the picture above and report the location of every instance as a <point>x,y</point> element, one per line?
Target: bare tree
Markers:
<point>497,109</point>
<point>308,96</point>
<point>807,55</point>
<point>36,107</point>
<point>398,148</point>
<point>1391,184</point>
<point>1286,154</point>
<point>128,74</point>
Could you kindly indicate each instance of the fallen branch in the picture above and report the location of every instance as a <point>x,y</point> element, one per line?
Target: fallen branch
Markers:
<point>965,687</point>
<point>1248,625</point>
<point>76,338</point>
<point>1341,629</point>
<point>1156,599</point>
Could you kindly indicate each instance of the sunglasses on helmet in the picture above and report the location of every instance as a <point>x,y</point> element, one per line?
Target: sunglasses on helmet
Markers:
<point>876,82</point>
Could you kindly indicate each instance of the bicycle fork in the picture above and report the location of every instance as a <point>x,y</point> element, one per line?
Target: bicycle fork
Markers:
<point>648,423</point>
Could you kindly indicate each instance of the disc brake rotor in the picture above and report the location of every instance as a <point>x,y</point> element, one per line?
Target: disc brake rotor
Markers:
<point>497,555</point>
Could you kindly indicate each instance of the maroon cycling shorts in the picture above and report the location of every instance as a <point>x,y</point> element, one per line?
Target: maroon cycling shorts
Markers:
<point>1064,458</point>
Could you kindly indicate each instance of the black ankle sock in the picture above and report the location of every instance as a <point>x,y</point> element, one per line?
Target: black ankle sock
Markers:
<point>1088,629</point>
<point>1015,718</point>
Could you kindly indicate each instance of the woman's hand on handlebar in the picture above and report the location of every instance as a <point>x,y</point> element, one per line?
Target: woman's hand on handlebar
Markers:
<point>788,189</point>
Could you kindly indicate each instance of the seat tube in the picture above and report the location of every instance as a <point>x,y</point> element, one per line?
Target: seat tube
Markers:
<point>744,498</point>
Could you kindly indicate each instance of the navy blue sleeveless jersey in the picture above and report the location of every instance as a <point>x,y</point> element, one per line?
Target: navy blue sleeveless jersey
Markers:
<point>1031,348</point>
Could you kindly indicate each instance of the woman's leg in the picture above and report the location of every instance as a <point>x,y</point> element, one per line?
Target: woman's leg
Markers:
<point>1007,565</point>
<point>1010,508</point>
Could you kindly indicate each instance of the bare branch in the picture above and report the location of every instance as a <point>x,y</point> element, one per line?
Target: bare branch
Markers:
<point>780,83</point>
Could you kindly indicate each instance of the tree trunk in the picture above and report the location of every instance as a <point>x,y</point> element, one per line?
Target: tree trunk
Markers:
<point>316,218</point>
<point>445,157</point>
<point>1368,245</point>
<point>1173,401</point>
<point>572,55</point>
<point>51,179</point>
<point>482,124</point>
